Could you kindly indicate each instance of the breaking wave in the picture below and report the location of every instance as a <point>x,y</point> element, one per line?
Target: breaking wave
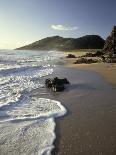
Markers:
<point>26,121</point>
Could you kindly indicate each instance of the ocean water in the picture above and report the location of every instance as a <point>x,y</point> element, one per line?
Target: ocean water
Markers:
<point>27,122</point>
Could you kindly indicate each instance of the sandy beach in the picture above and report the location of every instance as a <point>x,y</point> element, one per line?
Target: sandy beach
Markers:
<point>106,70</point>
<point>89,126</point>
<point>58,77</point>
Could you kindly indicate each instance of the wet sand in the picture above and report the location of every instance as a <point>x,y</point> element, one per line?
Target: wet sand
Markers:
<point>106,70</point>
<point>89,126</point>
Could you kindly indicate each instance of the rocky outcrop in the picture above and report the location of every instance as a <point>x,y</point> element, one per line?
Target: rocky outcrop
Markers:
<point>110,44</point>
<point>70,56</point>
<point>56,84</point>
<point>85,61</point>
<point>96,54</point>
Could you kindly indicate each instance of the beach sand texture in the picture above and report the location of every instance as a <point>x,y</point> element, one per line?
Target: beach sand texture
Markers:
<point>89,126</point>
<point>107,70</point>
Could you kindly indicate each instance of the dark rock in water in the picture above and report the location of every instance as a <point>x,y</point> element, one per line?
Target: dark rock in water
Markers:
<point>71,56</point>
<point>58,87</point>
<point>110,45</point>
<point>49,83</point>
<point>60,81</point>
<point>56,84</point>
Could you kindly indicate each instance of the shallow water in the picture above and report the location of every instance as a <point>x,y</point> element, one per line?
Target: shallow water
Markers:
<point>27,122</point>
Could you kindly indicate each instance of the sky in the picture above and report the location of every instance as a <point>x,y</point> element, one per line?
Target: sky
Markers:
<point>25,21</point>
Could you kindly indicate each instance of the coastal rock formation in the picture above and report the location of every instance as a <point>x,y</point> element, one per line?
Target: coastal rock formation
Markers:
<point>70,56</point>
<point>56,84</point>
<point>86,61</point>
<point>96,54</point>
<point>110,44</point>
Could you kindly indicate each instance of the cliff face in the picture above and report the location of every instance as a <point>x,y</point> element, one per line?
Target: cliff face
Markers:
<point>60,43</point>
<point>110,43</point>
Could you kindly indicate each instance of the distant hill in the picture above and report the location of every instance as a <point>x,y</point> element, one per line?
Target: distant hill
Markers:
<point>60,43</point>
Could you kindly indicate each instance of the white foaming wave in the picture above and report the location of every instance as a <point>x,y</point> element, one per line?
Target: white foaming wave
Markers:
<point>33,127</point>
<point>8,66</point>
<point>57,54</point>
<point>34,108</point>
<point>28,125</point>
<point>21,64</point>
<point>27,138</point>
<point>13,86</point>
<point>9,62</point>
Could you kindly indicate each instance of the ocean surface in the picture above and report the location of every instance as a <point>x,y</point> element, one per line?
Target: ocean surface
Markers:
<point>27,122</point>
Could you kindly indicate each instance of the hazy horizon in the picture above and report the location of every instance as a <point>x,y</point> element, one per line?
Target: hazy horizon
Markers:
<point>23,22</point>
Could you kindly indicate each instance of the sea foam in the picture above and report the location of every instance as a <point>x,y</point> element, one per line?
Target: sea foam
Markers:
<point>27,125</point>
<point>30,129</point>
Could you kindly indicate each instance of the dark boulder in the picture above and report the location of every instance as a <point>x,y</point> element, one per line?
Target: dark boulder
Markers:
<point>60,81</point>
<point>56,84</point>
<point>96,54</point>
<point>58,87</point>
<point>49,83</point>
<point>84,60</point>
<point>70,56</point>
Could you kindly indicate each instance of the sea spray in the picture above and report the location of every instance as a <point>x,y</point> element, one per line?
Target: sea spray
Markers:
<point>30,129</point>
<point>27,122</point>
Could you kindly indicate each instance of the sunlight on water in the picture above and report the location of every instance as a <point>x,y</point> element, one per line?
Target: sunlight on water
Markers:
<point>26,123</point>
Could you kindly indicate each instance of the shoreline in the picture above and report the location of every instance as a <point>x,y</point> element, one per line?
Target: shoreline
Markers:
<point>88,127</point>
<point>106,70</point>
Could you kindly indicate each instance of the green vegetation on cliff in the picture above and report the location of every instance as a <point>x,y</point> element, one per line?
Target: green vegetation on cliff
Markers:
<point>60,43</point>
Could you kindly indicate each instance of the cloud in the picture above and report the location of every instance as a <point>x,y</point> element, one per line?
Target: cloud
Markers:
<point>63,28</point>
